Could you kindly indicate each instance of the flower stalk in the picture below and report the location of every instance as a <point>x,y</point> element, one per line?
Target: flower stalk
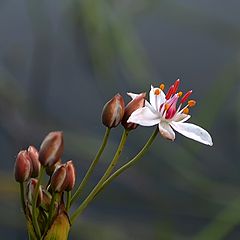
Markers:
<point>131,162</point>
<point>34,204</point>
<point>22,194</point>
<point>113,163</point>
<point>92,167</point>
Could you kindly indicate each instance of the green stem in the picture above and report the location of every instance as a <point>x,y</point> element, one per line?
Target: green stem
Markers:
<point>22,197</point>
<point>92,194</point>
<point>68,200</point>
<point>51,210</point>
<point>34,205</point>
<point>91,168</point>
<point>131,162</point>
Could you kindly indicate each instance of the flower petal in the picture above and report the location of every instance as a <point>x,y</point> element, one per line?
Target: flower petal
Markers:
<point>145,117</point>
<point>166,131</point>
<point>132,95</point>
<point>192,131</point>
<point>156,100</point>
<point>181,117</point>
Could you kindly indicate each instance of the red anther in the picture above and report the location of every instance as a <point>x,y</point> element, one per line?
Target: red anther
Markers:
<point>176,85</point>
<point>186,96</point>
<point>170,92</point>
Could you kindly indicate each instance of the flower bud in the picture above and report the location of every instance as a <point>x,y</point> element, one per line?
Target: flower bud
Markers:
<point>58,178</point>
<point>22,168</point>
<point>70,176</point>
<point>35,164</point>
<point>50,169</point>
<point>51,149</point>
<point>30,191</point>
<point>113,111</point>
<point>137,102</point>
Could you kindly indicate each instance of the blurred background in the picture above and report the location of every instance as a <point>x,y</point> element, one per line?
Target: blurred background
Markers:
<point>60,61</point>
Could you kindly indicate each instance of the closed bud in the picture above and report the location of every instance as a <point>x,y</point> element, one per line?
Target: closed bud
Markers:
<point>137,102</point>
<point>51,149</point>
<point>35,164</point>
<point>50,169</point>
<point>70,176</point>
<point>22,168</point>
<point>31,189</point>
<point>58,179</point>
<point>113,111</point>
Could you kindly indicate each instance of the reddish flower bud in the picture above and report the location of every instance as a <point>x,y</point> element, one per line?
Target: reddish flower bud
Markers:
<point>132,106</point>
<point>35,164</point>
<point>50,169</point>
<point>51,149</point>
<point>30,191</point>
<point>22,168</point>
<point>70,176</point>
<point>58,178</point>
<point>113,111</point>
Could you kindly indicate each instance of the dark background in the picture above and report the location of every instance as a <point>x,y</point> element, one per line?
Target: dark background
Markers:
<point>60,61</point>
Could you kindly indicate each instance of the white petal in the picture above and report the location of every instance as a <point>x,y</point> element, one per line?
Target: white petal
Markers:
<point>181,117</point>
<point>166,131</point>
<point>193,131</point>
<point>132,95</point>
<point>145,117</point>
<point>156,100</point>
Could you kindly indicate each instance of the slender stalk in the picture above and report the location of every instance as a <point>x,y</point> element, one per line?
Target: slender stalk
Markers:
<point>131,162</point>
<point>22,197</point>
<point>34,205</point>
<point>51,210</point>
<point>92,167</point>
<point>68,200</point>
<point>92,194</point>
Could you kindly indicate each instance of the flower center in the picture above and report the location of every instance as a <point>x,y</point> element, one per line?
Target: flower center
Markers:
<point>169,108</point>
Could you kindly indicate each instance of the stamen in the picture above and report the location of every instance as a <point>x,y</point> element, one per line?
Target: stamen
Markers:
<point>166,106</point>
<point>191,103</point>
<point>176,84</point>
<point>186,96</point>
<point>157,91</point>
<point>186,110</point>
<point>180,94</point>
<point>162,86</point>
<point>170,92</point>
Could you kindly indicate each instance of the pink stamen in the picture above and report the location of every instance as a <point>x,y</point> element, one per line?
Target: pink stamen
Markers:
<point>170,92</point>
<point>186,96</point>
<point>171,107</point>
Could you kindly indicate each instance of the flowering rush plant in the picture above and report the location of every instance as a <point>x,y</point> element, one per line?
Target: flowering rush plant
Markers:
<point>46,203</point>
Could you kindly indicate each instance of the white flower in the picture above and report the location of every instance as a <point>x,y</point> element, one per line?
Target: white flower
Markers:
<point>162,110</point>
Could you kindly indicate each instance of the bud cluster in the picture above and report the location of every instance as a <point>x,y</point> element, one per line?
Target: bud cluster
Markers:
<point>27,171</point>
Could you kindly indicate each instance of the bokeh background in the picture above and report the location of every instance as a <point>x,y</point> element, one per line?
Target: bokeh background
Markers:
<point>60,61</point>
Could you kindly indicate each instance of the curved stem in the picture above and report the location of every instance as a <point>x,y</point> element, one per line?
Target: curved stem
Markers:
<point>91,168</point>
<point>131,162</point>
<point>92,194</point>
<point>22,197</point>
<point>34,205</point>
